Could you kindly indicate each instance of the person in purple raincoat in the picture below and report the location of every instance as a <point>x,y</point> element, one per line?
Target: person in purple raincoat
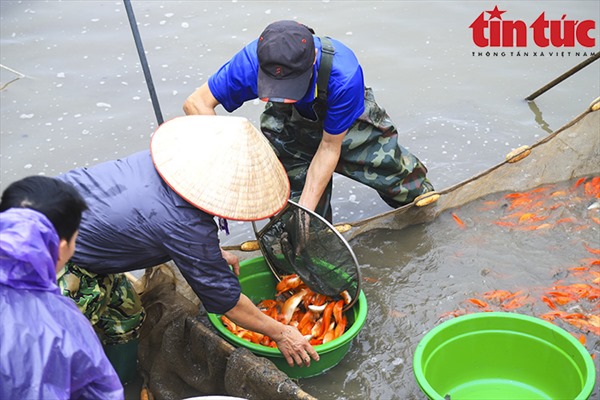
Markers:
<point>48,349</point>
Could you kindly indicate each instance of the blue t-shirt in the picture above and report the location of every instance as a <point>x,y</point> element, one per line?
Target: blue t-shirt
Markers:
<point>236,82</point>
<point>136,221</point>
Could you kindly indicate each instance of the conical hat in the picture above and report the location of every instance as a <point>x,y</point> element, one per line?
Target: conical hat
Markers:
<point>222,165</point>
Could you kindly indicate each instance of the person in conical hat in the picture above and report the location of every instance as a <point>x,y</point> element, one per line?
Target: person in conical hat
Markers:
<point>161,204</point>
<point>229,170</point>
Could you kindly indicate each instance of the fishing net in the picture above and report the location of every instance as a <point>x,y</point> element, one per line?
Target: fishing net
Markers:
<point>570,152</point>
<point>302,242</point>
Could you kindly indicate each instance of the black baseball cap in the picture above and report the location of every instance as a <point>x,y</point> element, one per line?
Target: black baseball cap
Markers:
<point>286,54</point>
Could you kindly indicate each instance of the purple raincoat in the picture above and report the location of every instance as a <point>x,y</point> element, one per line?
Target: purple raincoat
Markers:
<point>48,349</point>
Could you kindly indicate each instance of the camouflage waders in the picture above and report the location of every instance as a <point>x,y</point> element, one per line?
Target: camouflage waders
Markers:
<point>370,152</point>
<point>108,301</point>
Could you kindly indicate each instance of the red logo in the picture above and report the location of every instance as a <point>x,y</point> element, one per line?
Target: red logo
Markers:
<point>497,32</point>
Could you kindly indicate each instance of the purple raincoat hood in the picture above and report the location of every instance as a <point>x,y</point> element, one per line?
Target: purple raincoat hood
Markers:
<point>28,250</point>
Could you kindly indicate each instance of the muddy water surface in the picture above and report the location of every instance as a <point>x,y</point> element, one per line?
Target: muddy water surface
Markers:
<point>422,275</point>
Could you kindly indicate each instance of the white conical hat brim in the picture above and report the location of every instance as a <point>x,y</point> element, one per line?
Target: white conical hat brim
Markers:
<point>222,165</point>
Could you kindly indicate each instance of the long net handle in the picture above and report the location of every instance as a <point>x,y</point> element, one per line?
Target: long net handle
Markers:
<point>140,49</point>
<point>563,77</point>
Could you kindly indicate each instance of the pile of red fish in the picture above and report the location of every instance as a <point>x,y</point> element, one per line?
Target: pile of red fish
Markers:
<point>319,318</point>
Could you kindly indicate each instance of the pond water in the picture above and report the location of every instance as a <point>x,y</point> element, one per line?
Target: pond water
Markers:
<point>74,94</point>
<point>83,98</point>
<point>495,254</point>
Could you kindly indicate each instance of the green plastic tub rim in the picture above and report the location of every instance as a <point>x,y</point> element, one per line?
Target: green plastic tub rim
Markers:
<point>324,348</point>
<point>420,360</point>
<point>356,319</point>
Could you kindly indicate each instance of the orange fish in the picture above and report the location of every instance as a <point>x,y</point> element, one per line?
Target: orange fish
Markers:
<point>539,190</point>
<point>340,327</point>
<point>338,311</point>
<point>591,249</point>
<point>550,316</point>
<point>327,319</point>
<point>549,302</point>
<point>584,325</point>
<point>558,193</point>
<point>266,304</point>
<point>526,217</point>
<point>290,305</point>
<point>579,182</point>
<point>514,195</point>
<point>498,295</point>
<point>266,341</point>
<point>595,277</point>
<point>251,336</point>
<point>287,283</point>
<point>504,223</point>
<point>520,202</point>
<point>516,302</point>
<point>330,334</point>
<point>589,189</point>
<point>574,316</point>
<point>460,223</point>
<point>478,303</point>
<point>229,324</point>
<point>565,220</point>
<point>561,298</point>
<point>306,323</point>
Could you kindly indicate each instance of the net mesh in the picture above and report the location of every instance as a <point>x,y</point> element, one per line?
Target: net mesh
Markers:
<point>301,242</point>
<point>570,152</point>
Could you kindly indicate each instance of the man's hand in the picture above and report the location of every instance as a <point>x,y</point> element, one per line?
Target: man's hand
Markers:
<point>294,347</point>
<point>232,260</point>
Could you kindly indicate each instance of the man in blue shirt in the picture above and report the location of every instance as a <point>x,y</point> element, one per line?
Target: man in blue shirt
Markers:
<point>319,116</point>
<point>160,205</point>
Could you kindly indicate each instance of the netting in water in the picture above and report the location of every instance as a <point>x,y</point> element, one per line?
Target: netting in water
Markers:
<point>181,356</point>
<point>571,151</point>
<point>298,241</point>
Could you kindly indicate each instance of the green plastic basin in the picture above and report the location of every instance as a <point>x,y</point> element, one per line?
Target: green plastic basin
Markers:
<point>500,355</point>
<point>258,283</point>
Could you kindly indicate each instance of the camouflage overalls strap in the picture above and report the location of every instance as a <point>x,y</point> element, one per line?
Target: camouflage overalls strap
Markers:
<point>108,301</point>
<point>370,152</point>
